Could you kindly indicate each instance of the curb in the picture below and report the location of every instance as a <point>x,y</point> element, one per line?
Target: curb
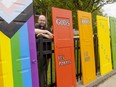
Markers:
<point>100,79</point>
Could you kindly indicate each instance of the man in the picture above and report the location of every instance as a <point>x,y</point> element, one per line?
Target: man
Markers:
<point>42,31</point>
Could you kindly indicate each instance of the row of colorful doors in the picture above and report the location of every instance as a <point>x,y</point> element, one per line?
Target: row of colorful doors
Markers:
<point>18,68</point>
<point>106,45</point>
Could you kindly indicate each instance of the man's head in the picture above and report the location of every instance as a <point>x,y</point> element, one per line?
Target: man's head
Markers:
<point>42,20</point>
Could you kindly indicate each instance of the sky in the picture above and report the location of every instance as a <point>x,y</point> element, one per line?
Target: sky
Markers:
<point>110,10</point>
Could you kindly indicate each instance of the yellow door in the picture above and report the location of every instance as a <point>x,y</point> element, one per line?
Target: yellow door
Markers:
<point>86,46</point>
<point>104,45</point>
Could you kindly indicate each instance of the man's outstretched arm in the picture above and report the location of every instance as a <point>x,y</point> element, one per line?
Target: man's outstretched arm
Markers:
<point>44,33</point>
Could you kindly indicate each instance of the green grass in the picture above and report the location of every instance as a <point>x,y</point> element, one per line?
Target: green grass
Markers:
<point>49,71</point>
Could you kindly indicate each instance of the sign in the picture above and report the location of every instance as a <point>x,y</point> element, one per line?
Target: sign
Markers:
<point>63,48</point>
<point>104,45</point>
<point>86,46</point>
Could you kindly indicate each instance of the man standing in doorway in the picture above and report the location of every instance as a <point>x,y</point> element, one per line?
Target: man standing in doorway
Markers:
<point>42,31</point>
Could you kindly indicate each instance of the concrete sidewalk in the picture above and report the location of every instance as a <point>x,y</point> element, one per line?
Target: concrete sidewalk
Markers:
<point>108,80</point>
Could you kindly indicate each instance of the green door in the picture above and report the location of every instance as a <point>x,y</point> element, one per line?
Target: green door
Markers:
<point>113,40</point>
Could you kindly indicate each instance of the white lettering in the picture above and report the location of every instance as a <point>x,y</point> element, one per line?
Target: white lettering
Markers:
<point>63,22</point>
<point>85,21</point>
<point>65,62</point>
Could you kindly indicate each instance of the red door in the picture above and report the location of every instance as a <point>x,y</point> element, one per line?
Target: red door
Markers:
<point>63,48</point>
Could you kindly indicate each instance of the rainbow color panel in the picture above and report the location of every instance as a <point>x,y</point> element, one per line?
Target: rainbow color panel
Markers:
<point>18,61</point>
<point>86,46</point>
<point>113,39</point>
<point>104,45</point>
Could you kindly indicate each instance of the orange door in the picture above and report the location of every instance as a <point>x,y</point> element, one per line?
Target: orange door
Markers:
<point>86,46</point>
<point>64,48</point>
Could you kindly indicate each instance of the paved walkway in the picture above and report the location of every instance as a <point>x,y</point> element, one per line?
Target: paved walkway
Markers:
<point>110,82</point>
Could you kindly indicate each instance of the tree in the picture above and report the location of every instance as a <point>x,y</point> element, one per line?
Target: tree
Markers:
<point>93,6</point>
<point>44,7</point>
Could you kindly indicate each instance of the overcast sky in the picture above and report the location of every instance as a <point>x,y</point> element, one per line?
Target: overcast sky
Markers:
<point>110,9</point>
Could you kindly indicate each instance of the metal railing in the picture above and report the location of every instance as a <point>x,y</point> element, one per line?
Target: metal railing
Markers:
<point>50,72</point>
